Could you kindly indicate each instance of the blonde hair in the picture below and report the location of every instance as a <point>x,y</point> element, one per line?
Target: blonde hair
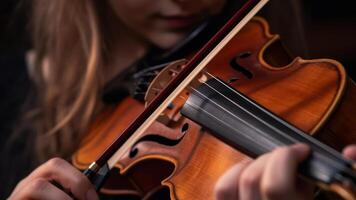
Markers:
<point>68,68</point>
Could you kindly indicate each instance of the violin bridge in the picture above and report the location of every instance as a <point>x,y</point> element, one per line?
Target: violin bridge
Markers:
<point>197,81</point>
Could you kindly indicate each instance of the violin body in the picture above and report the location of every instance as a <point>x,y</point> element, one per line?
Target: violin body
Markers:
<point>178,159</point>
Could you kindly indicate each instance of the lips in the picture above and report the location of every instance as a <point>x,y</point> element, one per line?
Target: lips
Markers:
<point>179,22</point>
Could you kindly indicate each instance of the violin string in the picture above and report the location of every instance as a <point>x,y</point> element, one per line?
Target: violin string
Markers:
<point>310,139</point>
<point>341,177</point>
<point>335,164</point>
<point>245,110</point>
<point>197,107</point>
<point>232,114</point>
<point>236,116</point>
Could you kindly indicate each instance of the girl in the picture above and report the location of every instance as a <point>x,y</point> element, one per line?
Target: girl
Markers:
<point>79,46</point>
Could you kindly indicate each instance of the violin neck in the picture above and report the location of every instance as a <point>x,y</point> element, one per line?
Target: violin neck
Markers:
<point>252,129</point>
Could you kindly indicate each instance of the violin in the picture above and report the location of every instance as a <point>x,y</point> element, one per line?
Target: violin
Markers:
<point>238,97</point>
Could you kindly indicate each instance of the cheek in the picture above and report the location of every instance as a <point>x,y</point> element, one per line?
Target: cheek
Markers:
<point>165,40</point>
<point>133,13</point>
<point>214,6</point>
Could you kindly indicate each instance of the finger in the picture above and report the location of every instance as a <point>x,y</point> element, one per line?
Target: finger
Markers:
<point>67,176</point>
<point>350,152</point>
<point>40,189</point>
<point>227,185</point>
<point>279,178</point>
<point>250,178</point>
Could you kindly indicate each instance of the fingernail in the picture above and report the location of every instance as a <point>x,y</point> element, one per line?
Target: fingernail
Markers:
<point>350,152</point>
<point>92,195</point>
<point>302,151</point>
<point>301,147</point>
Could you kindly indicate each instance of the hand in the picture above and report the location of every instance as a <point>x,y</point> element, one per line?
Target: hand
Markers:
<point>39,184</point>
<point>271,176</point>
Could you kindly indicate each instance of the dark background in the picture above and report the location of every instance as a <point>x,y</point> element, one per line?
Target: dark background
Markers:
<point>316,28</point>
<point>13,26</point>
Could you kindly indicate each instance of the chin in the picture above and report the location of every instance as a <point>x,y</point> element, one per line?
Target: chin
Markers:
<point>167,40</point>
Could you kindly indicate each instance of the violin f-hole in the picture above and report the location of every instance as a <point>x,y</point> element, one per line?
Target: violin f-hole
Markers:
<point>158,139</point>
<point>243,70</point>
